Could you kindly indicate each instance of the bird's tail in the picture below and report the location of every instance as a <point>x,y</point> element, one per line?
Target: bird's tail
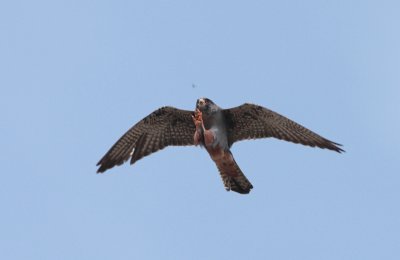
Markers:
<point>232,176</point>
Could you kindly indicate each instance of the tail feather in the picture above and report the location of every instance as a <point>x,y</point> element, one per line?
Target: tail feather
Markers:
<point>232,176</point>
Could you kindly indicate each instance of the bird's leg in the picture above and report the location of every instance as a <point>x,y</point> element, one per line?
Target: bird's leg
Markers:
<point>208,138</point>
<point>201,131</point>
<point>198,122</point>
<point>198,119</point>
<point>197,138</point>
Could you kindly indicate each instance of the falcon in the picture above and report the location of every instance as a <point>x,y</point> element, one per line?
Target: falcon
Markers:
<point>213,128</point>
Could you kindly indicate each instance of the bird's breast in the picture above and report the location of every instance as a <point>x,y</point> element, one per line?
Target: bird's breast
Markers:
<point>216,137</point>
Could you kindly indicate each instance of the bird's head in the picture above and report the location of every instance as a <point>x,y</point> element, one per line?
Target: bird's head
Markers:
<point>206,106</point>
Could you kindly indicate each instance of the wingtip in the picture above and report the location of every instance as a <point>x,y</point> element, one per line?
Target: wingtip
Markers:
<point>103,167</point>
<point>100,169</point>
<point>337,147</point>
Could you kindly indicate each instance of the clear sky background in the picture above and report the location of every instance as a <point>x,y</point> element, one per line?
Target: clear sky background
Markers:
<point>75,75</point>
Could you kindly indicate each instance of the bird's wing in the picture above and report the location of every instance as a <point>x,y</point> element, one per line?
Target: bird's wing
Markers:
<point>165,126</point>
<point>250,121</point>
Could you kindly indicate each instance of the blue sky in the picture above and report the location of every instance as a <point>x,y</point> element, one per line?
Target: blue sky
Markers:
<point>75,75</point>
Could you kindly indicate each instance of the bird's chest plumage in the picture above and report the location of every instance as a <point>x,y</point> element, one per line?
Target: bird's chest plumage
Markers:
<point>215,135</point>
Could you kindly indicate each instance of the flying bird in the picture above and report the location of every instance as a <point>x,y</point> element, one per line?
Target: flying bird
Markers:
<point>213,128</point>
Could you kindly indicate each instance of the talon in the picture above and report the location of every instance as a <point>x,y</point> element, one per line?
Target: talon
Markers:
<point>198,122</point>
<point>198,118</point>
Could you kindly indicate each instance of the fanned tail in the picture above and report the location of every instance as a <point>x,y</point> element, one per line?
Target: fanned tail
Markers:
<point>232,176</point>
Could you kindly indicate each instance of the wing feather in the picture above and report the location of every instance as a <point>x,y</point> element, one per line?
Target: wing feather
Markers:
<point>164,127</point>
<point>250,121</point>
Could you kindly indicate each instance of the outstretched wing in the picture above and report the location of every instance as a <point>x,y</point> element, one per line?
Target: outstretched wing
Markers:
<point>165,126</point>
<point>250,121</point>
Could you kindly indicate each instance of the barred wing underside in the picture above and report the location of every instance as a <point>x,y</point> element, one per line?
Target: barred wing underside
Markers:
<point>250,121</point>
<point>164,127</point>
